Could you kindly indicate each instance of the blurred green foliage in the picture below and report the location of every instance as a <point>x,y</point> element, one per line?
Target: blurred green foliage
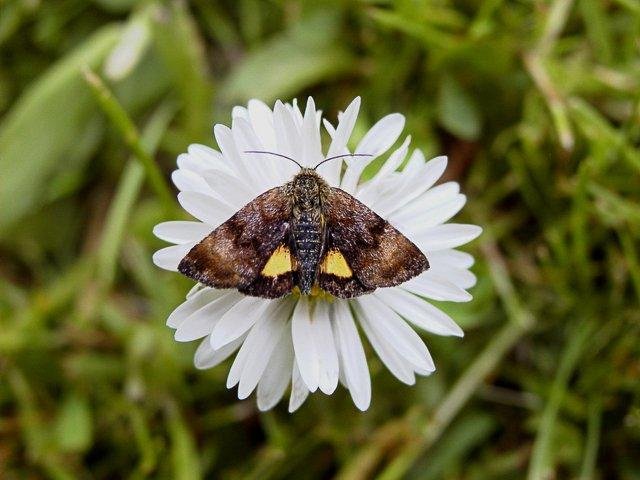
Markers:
<point>537,104</point>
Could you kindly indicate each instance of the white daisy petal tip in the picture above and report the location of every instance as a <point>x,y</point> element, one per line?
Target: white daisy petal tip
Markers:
<point>301,344</point>
<point>476,231</point>
<point>362,404</point>
<point>440,160</point>
<point>456,333</point>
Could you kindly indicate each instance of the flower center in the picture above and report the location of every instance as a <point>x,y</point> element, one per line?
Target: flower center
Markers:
<point>315,294</point>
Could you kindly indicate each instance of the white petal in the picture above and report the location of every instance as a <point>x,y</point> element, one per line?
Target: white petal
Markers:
<point>382,135</point>
<point>207,157</point>
<point>234,191</point>
<point>394,160</point>
<point>190,181</point>
<point>443,212</point>
<point>229,149</point>
<point>193,303</point>
<point>277,375</point>
<point>397,365</point>
<point>295,112</point>
<point>415,165</point>
<point>331,130</point>
<point>345,128</point>
<point>269,170</point>
<point>311,147</point>
<point>207,357</point>
<point>195,289</point>
<point>169,257</point>
<point>419,311</point>
<point>304,345</point>
<point>446,236</point>
<point>205,208</point>
<point>181,231</point>
<point>434,215</point>
<point>288,137</point>
<point>243,355</point>
<point>432,286</point>
<point>288,143</point>
<point>201,322</point>
<point>239,112</point>
<point>435,196</point>
<point>262,122</point>
<point>356,371</point>
<point>330,171</point>
<point>260,343</point>
<point>377,141</point>
<point>369,192</point>
<point>260,164</point>
<point>341,377</point>
<point>431,172</point>
<point>239,319</point>
<point>325,346</point>
<point>201,157</point>
<point>460,277</point>
<point>418,177</point>
<point>455,258</point>
<point>299,391</point>
<point>393,330</point>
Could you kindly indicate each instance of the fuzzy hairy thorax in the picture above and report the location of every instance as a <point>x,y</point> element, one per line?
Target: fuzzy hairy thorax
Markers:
<point>308,191</point>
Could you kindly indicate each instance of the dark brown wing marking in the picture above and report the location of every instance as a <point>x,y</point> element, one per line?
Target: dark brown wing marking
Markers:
<point>235,254</point>
<point>378,254</point>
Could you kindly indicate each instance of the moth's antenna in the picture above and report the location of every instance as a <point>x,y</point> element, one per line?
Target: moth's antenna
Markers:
<point>342,156</point>
<point>275,154</point>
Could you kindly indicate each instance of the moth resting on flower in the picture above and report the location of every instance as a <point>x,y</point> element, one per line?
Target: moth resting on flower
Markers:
<point>302,233</point>
<point>291,259</point>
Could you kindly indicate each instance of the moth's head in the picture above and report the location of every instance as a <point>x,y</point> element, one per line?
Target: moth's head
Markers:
<point>307,188</point>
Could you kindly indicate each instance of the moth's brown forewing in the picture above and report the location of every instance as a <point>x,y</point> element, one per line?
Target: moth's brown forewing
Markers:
<point>250,251</point>
<point>254,251</point>
<point>376,254</point>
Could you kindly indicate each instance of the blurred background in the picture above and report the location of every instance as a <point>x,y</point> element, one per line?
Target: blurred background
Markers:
<point>537,104</point>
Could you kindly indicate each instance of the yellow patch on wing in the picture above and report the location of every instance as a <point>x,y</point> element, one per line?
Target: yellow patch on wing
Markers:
<point>334,263</point>
<point>279,262</point>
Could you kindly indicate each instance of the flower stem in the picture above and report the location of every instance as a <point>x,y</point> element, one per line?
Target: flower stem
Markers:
<point>127,129</point>
<point>593,439</point>
<point>126,194</point>
<point>542,462</point>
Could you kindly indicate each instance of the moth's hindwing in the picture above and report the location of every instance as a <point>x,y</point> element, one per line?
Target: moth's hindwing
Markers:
<point>336,276</point>
<point>279,263</point>
<point>249,251</point>
<point>363,251</point>
<point>334,263</point>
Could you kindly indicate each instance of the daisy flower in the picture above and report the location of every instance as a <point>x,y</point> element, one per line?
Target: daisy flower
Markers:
<point>312,342</point>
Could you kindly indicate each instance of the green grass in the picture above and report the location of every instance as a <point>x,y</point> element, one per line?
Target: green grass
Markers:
<point>537,104</point>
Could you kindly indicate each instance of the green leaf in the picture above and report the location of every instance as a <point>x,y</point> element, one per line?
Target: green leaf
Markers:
<point>300,57</point>
<point>180,47</point>
<point>117,5</point>
<point>40,138</point>
<point>74,428</point>
<point>184,454</point>
<point>466,434</point>
<point>457,111</point>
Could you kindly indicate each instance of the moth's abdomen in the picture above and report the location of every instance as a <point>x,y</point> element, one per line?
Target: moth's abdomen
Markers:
<point>307,238</point>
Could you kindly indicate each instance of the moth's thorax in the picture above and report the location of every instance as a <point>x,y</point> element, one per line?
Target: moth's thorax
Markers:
<point>309,190</point>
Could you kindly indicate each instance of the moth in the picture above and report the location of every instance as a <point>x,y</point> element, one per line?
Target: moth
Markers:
<point>304,234</point>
